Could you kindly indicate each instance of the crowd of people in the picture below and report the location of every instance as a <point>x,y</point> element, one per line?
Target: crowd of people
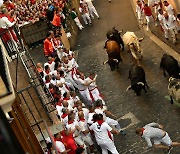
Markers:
<point>63,79</point>
<point>161,12</point>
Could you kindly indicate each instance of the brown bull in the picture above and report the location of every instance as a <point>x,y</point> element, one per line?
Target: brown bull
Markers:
<point>113,51</point>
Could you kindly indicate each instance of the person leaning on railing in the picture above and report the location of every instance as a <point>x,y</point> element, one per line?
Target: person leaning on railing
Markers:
<point>8,37</point>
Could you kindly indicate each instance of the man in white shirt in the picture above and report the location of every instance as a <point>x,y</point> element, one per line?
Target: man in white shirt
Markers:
<point>153,131</point>
<point>93,89</point>
<point>100,109</point>
<point>59,145</point>
<point>85,134</point>
<point>51,64</point>
<point>92,9</point>
<point>74,127</point>
<point>169,9</point>
<point>83,9</point>
<point>102,132</point>
<point>83,87</point>
<point>169,22</point>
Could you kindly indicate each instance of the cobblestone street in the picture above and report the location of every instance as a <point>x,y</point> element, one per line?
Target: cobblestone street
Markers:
<point>150,107</point>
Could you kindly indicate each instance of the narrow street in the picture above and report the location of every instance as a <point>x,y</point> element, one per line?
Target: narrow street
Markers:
<point>150,107</point>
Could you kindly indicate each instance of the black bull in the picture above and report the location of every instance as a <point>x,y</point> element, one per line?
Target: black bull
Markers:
<point>114,34</point>
<point>113,51</point>
<point>169,64</point>
<point>138,80</point>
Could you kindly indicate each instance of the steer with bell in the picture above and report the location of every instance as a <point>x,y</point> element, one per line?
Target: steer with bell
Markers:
<point>138,80</point>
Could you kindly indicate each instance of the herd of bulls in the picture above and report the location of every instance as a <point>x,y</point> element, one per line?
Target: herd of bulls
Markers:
<point>168,64</point>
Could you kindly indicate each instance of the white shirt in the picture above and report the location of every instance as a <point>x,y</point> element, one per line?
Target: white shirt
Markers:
<point>83,125</point>
<point>100,111</point>
<point>89,3</point>
<point>81,83</point>
<point>59,110</point>
<point>169,9</point>
<point>60,146</point>
<point>5,23</point>
<point>51,66</point>
<point>72,126</point>
<point>92,85</point>
<point>101,132</point>
<point>170,23</point>
<point>161,17</point>
<point>90,118</point>
<point>151,132</point>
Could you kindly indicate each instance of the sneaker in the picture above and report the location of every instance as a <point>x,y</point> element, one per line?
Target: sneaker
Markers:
<point>169,150</point>
<point>122,132</point>
<point>109,1</point>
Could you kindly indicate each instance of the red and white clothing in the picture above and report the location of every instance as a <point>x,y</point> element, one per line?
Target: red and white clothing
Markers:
<point>94,91</point>
<point>169,9</point>
<point>150,132</point>
<point>86,137</point>
<point>102,132</point>
<point>51,65</point>
<point>76,134</point>
<point>85,13</point>
<point>60,146</point>
<point>170,27</point>
<point>83,90</point>
<point>92,9</point>
<point>109,121</point>
<point>59,108</point>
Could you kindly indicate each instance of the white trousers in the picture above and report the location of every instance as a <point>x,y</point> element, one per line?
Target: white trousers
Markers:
<point>85,94</point>
<point>172,31</point>
<point>87,139</point>
<point>78,23</point>
<point>86,18</point>
<point>93,10</point>
<point>105,146</point>
<point>96,95</point>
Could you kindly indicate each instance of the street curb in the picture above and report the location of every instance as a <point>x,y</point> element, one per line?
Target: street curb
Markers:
<point>155,39</point>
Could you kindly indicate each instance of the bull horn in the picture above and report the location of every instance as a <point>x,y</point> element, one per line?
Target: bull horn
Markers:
<point>111,35</point>
<point>128,88</point>
<point>105,62</point>
<point>140,39</point>
<point>121,31</point>
<point>115,60</point>
<point>171,79</point>
<point>140,83</point>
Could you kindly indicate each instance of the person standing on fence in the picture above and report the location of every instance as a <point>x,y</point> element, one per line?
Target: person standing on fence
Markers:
<point>92,9</point>
<point>83,9</point>
<point>76,19</point>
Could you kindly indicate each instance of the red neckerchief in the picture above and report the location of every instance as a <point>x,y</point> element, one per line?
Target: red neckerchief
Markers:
<point>70,121</point>
<point>142,131</point>
<point>49,62</point>
<point>47,71</point>
<point>47,81</point>
<point>109,134</point>
<point>2,15</point>
<point>59,103</point>
<point>66,99</point>
<point>64,115</point>
<point>100,122</point>
<point>82,119</point>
